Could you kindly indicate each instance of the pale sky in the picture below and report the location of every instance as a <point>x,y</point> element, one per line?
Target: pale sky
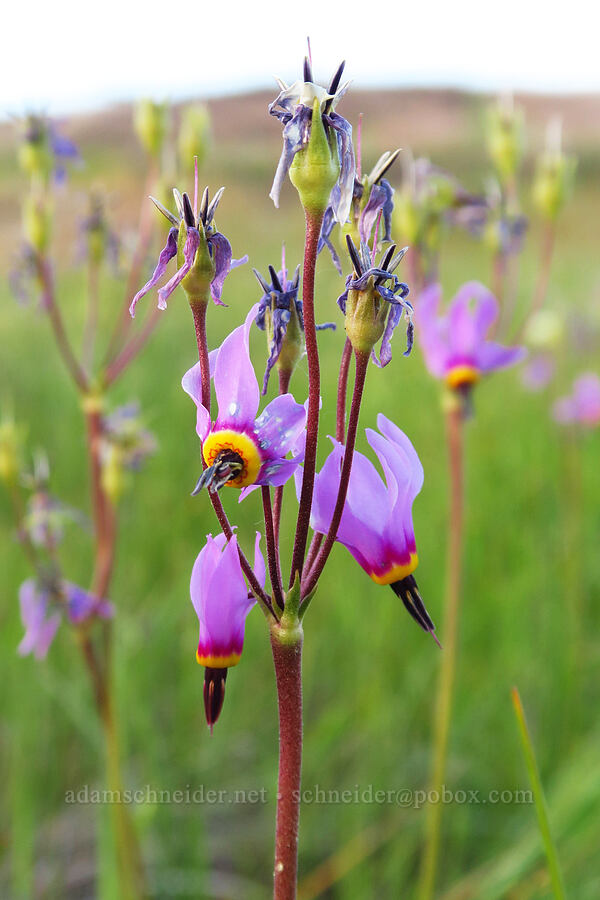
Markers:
<point>67,56</point>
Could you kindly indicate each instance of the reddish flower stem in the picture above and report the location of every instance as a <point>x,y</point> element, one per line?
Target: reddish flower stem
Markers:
<point>272,555</point>
<point>340,427</point>
<point>313,230</point>
<point>60,336</point>
<point>199,313</point>
<point>287,658</point>
<point>132,348</point>
<point>362,362</point>
<point>91,322</point>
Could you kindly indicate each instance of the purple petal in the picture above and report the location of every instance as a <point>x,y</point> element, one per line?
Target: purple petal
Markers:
<point>235,382</point>
<point>192,243</point>
<point>221,250</point>
<point>192,385</point>
<point>295,134</point>
<point>432,329</point>
<point>347,167</point>
<point>259,563</point>
<point>280,425</point>
<point>471,313</point>
<point>385,352</point>
<point>40,628</point>
<point>276,472</point>
<point>167,254</point>
<point>494,356</point>
<point>375,203</point>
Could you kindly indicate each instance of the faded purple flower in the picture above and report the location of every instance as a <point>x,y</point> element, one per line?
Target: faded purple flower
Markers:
<point>201,237</point>
<point>41,609</point>
<point>454,344</point>
<point>538,372</point>
<point>389,304</point>
<point>293,106</point>
<point>240,449</point>
<point>222,601</point>
<point>582,406</point>
<point>45,150</point>
<point>376,524</point>
<point>278,308</point>
<point>123,429</point>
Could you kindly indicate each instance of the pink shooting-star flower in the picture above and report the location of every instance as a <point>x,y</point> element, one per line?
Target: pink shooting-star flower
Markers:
<point>376,525</point>
<point>240,449</point>
<point>582,406</point>
<point>41,613</point>
<point>221,599</point>
<point>454,344</point>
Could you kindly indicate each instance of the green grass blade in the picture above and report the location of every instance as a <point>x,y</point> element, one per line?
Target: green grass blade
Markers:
<point>540,800</point>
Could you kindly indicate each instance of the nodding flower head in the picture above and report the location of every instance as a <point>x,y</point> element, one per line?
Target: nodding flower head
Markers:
<point>44,151</point>
<point>372,196</point>
<point>374,302</point>
<point>280,315</point>
<point>582,406</point>
<point>222,601</point>
<point>240,449</point>
<point>42,607</point>
<point>203,254</point>
<point>317,143</point>
<point>454,344</point>
<point>376,524</point>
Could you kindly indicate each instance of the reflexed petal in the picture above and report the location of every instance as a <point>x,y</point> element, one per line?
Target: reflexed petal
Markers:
<point>168,252</point>
<point>343,131</point>
<point>375,203</point>
<point>40,629</point>
<point>472,312</point>
<point>394,434</point>
<point>280,424</point>
<point>432,329</point>
<point>494,356</point>
<point>189,252</point>
<point>235,382</point>
<point>276,472</point>
<point>259,563</point>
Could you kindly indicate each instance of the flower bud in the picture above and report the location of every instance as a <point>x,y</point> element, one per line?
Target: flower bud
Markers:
<point>505,138</point>
<point>37,222</point>
<point>151,120</point>
<point>9,452</point>
<point>552,183</point>
<point>194,135</point>
<point>315,168</point>
<point>113,476</point>
<point>196,283</point>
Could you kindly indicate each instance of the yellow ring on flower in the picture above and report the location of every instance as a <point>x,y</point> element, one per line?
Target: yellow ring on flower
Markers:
<point>397,573</point>
<point>459,375</point>
<point>218,662</point>
<point>239,443</point>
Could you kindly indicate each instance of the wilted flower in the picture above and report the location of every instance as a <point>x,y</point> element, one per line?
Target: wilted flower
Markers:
<point>312,126</point>
<point>582,406</point>
<point>41,608</point>
<point>454,344</point>
<point>203,254</point>
<point>376,524</point>
<point>372,309</point>
<point>372,196</point>
<point>239,449</point>
<point>281,315</point>
<point>503,229</point>
<point>222,602</point>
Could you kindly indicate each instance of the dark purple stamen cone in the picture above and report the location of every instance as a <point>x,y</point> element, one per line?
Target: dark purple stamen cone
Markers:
<point>214,694</point>
<point>408,592</point>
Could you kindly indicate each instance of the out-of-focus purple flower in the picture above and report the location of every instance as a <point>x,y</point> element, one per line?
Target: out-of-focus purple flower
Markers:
<point>367,296</point>
<point>222,601</point>
<point>191,236</point>
<point>97,240</point>
<point>281,315</point>
<point>294,107</point>
<point>454,344</point>
<point>123,428</point>
<point>538,372</point>
<point>376,524</point>
<point>240,449</point>
<point>45,150</point>
<point>41,609</point>
<point>504,230</point>
<point>582,406</point>
<point>46,516</point>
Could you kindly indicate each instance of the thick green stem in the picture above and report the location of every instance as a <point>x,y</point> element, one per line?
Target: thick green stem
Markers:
<point>445,689</point>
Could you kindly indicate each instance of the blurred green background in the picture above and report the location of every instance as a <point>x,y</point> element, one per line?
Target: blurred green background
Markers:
<point>531,583</point>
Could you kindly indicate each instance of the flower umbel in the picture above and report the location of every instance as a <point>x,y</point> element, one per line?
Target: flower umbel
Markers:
<point>239,449</point>
<point>280,314</point>
<point>203,254</point>
<point>376,525</point>
<point>371,307</point>
<point>317,141</point>
<point>222,602</point>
